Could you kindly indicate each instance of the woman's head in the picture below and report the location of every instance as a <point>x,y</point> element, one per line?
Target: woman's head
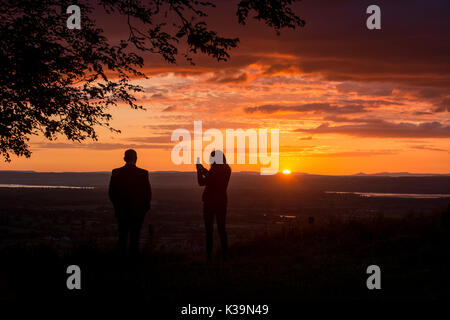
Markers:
<point>217,157</point>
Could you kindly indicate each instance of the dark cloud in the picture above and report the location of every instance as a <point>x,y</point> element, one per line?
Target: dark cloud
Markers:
<point>443,106</point>
<point>373,103</point>
<point>169,127</point>
<point>272,80</point>
<point>429,148</point>
<point>372,89</point>
<point>412,47</point>
<point>337,118</point>
<point>349,154</point>
<point>352,69</point>
<point>152,139</point>
<point>228,76</point>
<point>437,97</point>
<point>384,129</point>
<point>170,109</point>
<point>426,93</point>
<point>422,113</point>
<point>209,123</point>
<point>308,107</point>
<point>100,146</point>
<point>275,68</point>
<point>314,151</point>
<point>158,96</point>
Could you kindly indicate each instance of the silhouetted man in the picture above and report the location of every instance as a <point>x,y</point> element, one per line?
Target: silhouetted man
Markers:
<point>214,198</point>
<point>130,193</point>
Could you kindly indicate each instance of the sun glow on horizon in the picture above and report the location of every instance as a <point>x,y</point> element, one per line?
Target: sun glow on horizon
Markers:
<point>286,171</point>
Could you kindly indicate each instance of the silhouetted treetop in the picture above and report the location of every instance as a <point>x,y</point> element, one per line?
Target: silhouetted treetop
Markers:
<point>54,80</point>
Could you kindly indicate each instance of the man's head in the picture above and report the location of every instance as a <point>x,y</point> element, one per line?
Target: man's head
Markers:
<point>130,156</point>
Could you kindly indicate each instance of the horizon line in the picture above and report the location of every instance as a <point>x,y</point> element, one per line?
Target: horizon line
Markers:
<point>384,173</point>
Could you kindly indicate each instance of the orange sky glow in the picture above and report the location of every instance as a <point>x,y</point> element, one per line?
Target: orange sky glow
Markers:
<point>345,100</point>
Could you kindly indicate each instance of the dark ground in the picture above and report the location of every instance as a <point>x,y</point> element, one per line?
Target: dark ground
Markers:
<point>272,258</point>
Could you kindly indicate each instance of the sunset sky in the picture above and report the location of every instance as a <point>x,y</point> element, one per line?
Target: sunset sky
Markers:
<point>346,99</point>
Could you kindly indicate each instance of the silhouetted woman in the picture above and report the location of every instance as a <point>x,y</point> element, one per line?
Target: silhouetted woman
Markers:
<point>214,198</point>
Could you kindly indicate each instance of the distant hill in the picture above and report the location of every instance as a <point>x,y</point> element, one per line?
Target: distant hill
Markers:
<point>86,179</point>
<point>400,174</point>
<point>380,182</point>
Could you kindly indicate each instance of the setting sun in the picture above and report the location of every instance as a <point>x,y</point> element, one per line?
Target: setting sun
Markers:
<point>286,171</point>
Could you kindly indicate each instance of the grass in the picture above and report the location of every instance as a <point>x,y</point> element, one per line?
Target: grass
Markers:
<point>315,261</point>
